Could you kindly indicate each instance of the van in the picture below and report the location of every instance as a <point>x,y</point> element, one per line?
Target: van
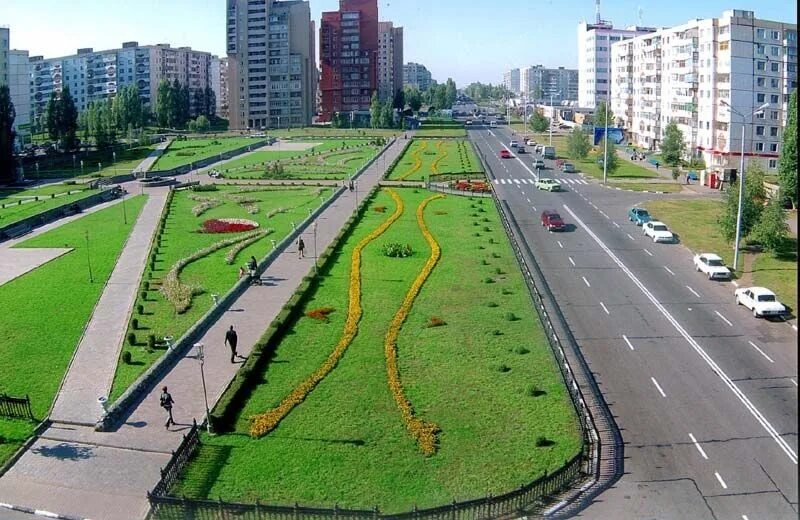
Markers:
<point>549,152</point>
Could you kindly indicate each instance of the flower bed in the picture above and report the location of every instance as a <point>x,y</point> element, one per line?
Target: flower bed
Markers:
<point>228,225</point>
<point>473,186</point>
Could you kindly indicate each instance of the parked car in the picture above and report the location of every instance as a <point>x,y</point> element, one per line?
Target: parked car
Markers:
<point>514,143</point>
<point>548,185</point>
<point>760,300</point>
<point>538,164</point>
<point>658,231</point>
<point>564,127</point>
<point>552,220</point>
<point>505,154</point>
<point>639,216</point>
<point>567,168</point>
<point>712,265</point>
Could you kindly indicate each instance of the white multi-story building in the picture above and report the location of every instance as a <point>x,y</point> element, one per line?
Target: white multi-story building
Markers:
<point>540,83</point>
<point>15,72</point>
<point>512,81</point>
<point>594,58</point>
<point>270,47</point>
<point>390,60</point>
<point>685,73</point>
<point>416,75</point>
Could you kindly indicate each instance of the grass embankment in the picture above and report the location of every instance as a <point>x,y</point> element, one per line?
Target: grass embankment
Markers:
<point>427,158</point>
<point>126,161</point>
<point>19,204</point>
<point>181,153</point>
<point>45,311</point>
<point>211,274</point>
<point>651,187</point>
<point>441,132</point>
<point>321,131</point>
<point>695,221</point>
<point>331,159</point>
<point>473,375</point>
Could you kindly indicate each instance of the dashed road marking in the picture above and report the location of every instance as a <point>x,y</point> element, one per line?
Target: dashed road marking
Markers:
<point>721,482</point>
<point>660,391</point>
<point>616,224</point>
<point>724,318</point>
<point>629,236</point>
<point>571,261</point>
<point>560,244</point>
<point>697,445</point>
<point>646,251</point>
<point>693,291</point>
<point>603,305</point>
<point>586,281</point>
<point>669,270</point>
<point>761,351</point>
<point>630,345</point>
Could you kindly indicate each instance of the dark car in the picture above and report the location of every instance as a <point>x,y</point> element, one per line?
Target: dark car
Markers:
<point>520,148</point>
<point>552,220</point>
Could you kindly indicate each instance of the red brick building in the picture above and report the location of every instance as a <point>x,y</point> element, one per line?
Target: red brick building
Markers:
<point>348,50</point>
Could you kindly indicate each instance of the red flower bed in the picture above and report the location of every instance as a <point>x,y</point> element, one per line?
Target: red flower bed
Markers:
<point>228,225</point>
<point>474,186</point>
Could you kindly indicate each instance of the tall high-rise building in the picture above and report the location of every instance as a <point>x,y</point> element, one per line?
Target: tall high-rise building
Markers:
<point>684,74</point>
<point>594,58</point>
<point>15,73</point>
<point>390,60</point>
<point>5,45</point>
<point>349,58</point>
<point>219,84</point>
<point>270,45</point>
<point>511,81</point>
<point>543,84</point>
<point>416,75</point>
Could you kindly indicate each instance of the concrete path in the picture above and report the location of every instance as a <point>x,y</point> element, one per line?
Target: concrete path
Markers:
<point>91,371</point>
<point>16,262</point>
<point>148,162</point>
<point>142,445</point>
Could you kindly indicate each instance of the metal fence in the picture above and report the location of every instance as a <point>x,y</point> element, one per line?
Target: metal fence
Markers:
<point>178,461</point>
<point>461,193</point>
<point>15,406</point>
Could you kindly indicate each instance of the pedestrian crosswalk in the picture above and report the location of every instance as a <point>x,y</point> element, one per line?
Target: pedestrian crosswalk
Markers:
<point>531,181</point>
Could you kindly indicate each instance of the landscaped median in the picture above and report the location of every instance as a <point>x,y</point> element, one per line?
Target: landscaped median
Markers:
<point>450,341</point>
<point>19,204</point>
<point>186,151</point>
<point>436,159</point>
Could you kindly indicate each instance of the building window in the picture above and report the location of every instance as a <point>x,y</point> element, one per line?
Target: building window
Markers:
<point>759,49</point>
<point>761,33</point>
<point>776,35</point>
<point>773,114</point>
<point>773,147</point>
<point>773,131</point>
<point>759,130</point>
<point>759,147</point>
<point>775,51</point>
<point>775,67</point>
<point>760,82</point>
<point>760,65</point>
<point>760,98</point>
<point>774,98</point>
<point>773,82</point>
<point>760,114</point>
<point>773,163</point>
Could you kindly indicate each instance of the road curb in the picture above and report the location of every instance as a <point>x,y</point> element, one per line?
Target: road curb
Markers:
<point>40,512</point>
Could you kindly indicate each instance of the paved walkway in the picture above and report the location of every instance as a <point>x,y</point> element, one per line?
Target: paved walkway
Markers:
<point>45,476</point>
<point>148,162</point>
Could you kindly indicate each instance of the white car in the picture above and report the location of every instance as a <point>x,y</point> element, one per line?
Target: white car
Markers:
<point>657,231</point>
<point>712,266</point>
<point>760,300</point>
<point>514,144</point>
<point>530,142</point>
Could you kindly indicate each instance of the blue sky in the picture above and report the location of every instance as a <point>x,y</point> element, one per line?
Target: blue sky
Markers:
<point>468,40</point>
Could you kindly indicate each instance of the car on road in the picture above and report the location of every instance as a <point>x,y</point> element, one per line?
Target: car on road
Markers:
<point>514,143</point>
<point>549,152</point>
<point>712,266</point>
<point>567,168</point>
<point>538,164</point>
<point>530,142</point>
<point>552,220</point>
<point>548,185</point>
<point>760,300</point>
<point>639,216</point>
<point>658,231</point>
<point>520,148</point>
<point>505,154</point>
<point>492,124</point>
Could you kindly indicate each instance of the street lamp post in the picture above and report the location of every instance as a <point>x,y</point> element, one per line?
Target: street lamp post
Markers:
<point>201,359</point>
<point>741,179</point>
<point>605,141</point>
<point>315,248</point>
<point>124,213</point>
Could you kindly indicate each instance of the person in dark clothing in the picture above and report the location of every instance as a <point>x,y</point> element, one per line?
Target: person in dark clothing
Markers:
<point>301,247</point>
<point>231,339</point>
<point>166,403</point>
<point>252,263</point>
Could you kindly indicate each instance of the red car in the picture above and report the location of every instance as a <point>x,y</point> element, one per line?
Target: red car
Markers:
<point>552,220</point>
<point>505,154</point>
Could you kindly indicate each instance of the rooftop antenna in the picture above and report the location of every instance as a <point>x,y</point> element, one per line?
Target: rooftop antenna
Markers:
<point>640,12</point>
<point>597,11</point>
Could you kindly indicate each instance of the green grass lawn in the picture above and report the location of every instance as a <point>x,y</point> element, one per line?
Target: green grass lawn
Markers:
<point>45,311</point>
<point>329,159</point>
<point>440,132</point>
<point>126,161</point>
<point>16,205</point>
<point>665,187</point>
<point>181,153</point>
<point>321,131</point>
<point>211,273</point>
<point>346,443</point>
<point>695,222</point>
<point>430,157</point>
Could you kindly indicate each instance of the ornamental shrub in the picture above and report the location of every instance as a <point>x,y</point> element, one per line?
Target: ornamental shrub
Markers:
<point>126,357</point>
<point>321,314</point>
<point>484,262</point>
<point>488,280</point>
<point>131,338</point>
<point>510,316</point>
<point>144,295</point>
<point>535,391</point>
<point>521,350</point>
<point>140,309</point>
<point>151,341</point>
<point>492,304</point>
<point>135,323</point>
<point>503,368</point>
<point>435,321</point>
<point>397,250</point>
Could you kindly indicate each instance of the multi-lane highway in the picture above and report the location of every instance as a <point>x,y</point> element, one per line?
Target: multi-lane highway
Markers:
<point>704,394</point>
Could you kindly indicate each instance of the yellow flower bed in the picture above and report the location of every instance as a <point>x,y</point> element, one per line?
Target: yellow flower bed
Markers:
<point>263,423</point>
<point>440,150</point>
<point>417,161</point>
<point>423,432</point>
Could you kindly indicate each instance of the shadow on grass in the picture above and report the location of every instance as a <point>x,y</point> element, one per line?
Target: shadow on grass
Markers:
<point>206,468</point>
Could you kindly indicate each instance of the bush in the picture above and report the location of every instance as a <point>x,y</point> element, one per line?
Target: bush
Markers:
<point>135,323</point>
<point>140,309</point>
<point>435,321</point>
<point>484,262</point>
<point>492,304</point>
<point>144,295</point>
<point>126,357</point>
<point>534,391</point>
<point>396,250</point>
<point>321,314</point>
<point>521,350</point>
<point>542,441</point>
<point>510,316</point>
<point>488,280</point>
<point>506,291</point>
<point>503,368</point>
<point>131,338</point>
<point>151,341</point>
<point>499,271</point>
<point>497,332</point>
<point>146,285</point>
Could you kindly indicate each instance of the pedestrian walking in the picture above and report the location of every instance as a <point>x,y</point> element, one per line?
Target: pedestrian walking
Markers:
<point>301,248</point>
<point>166,402</point>
<point>231,339</point>
<point>656,165</point>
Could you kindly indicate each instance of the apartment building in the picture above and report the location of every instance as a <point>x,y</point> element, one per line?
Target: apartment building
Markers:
<point>5,45</point>
<point>270,45</point>
<point>512,81</point>
<point>417,75</point>
<point>219,84</point>
<point>686,73</point>
<point>15,72</point>
<point>390,60</point>
<point>545,84</point>
<point>594,58</point>
<point>94,76</point>
<point>348,57</point>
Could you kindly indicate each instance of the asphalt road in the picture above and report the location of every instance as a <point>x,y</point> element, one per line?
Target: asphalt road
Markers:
<point>704,394</point>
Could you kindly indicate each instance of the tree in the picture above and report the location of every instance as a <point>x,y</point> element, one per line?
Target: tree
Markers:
<point>176,105</point>
<point>110,121</point>
<point>375,109</point>
<point>599,117</point>
<point>672,146</point>
<point>771,229</point>
<point>53,116</point>
<point>439,97</point>
<point>387,115</point>
<point>163,103</point>
<point>413,98</point>
<point>752,205</point>
<point>7,134</point>
<point>451,92</point>
<point>537,93</point>
<point>68,125</point>
<point>539,123</point>
<point>98,126</point>
<point>199,102</point>
<point>184,105</point>
<point>578,144</point>
<point>787,165</point>
<point>610,155</point>
<point>202,124</point>
<point>211,103</point>
<point>399,101</point>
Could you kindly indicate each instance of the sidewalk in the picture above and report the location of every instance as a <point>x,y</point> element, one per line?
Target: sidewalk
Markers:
<point>77,471</point>
<point>148,162</point>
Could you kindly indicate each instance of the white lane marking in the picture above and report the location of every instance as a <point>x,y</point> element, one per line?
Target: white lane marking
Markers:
<point>761,351</point>
<point>660,391</point>
<point>629,236</point>
<point>696,346</point>
<point>628,342</point>
<point>603,305</point>
<point>616,224</point>
<point>646,251</point>
<point>528,200</point>
<point>693,291</point>
<point>515,157</point>
<point>724,318</point>
<point>497,181</point>
<point>586,281</point>
<point>744,517</point>
<point>669,270</point>
<point>516,180</point>
<point>794,327</point>
<point>603,213</point>
<point>697,445</point>
<point>794,381</point>
<point>571,261</point>
<point>560,244</point>
<point>721,482</point>
<point>534,208</point>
